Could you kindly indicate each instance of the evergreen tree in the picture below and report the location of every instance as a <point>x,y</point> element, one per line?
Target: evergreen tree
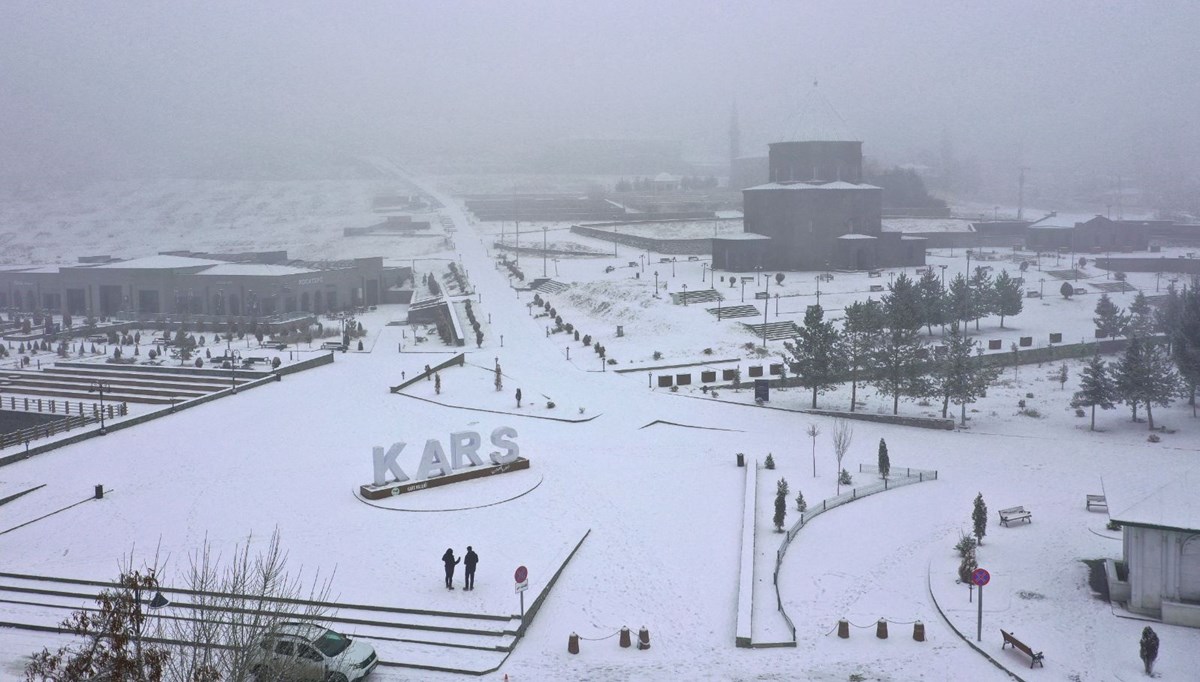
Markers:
<point>966,567</point>
<point>1148,649</point>
<point>1061,376</point>
<point>983,296</point>
<point>1110,320</point>
<point>499,382</point>
<point>1145,375</point>
<point>897,358</point>
<point>801,505</point>
<point>979,519</point>
<point>860,334</point>
<point>929,289</point>
<point>1167,317</point>
<point>958,300</point>
<point>769,462</point>
<point>1184,335</point>
<point>780,505</point>
<point>1141,316</point>
<point>885,464</point>
<point>1096,389</point>
<point>437,383</point>
<point>1009,301</point>
<point>1066,290</point>
<point>816,356</point>
<point>960,377</point>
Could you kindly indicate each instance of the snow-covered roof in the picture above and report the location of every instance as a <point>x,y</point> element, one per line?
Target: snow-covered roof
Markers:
<point>253,270</point>
<point>160,262</point>
<point>839,184</point>
<point>816,120</point>
<point>741,236</point>
<point>855,235</point>
<point>927,225</point>
<point>1174,504</point>
<point>16,268</point>
<point>1063,221</point>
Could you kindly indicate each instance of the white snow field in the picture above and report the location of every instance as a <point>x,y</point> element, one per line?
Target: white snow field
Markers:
<point>650,472</point>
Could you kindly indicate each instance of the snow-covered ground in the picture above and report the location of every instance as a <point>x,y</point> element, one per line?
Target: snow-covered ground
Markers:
<point>663,501</point>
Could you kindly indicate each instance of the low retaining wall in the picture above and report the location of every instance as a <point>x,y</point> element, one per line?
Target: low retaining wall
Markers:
<point>745,609</point>
<point>701,246</point>
<point>901,420</point>
<point>460,360</point>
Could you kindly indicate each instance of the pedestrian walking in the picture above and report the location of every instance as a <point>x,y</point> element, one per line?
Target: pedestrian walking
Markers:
<point>469,562</point>
<point>450,562</point>
<point>518,397</point>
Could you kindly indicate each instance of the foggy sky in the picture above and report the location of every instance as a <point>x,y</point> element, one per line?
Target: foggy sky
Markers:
<point>126,87</point>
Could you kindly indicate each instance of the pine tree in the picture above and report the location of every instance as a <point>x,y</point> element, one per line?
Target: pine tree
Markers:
<point>499,378</point>
<point>1061,376</point>
<point>860,334</point>
<point>1148,649</point>
<point>1066,290</point>
<point>960,376</point>
<point>801,505</point>
<point>1146,375</point>
<point>1184,335</point>
<point>966,567</point>
<point>979,519</point>
<point>896,359</point>
<point>885,464</point>
<point>983,296</point>
<point>769,462</point>
<point>1110,320</point>
<point>1096,389</point>
<point>929,289</point>
<point>780,507</point>
<point>437,383</point>
<point>1141,316</point>
<point>816,356</point>
<point>1009,301</point>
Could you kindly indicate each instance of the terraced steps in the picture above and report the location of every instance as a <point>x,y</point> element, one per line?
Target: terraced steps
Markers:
<point>776,331</point>
<point>697,297</point>
<point>734,311</point>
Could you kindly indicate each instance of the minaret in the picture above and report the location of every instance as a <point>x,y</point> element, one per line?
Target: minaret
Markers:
<point>735,143</point>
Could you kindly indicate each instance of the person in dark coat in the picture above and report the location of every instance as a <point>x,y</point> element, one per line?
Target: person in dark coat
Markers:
<point>469,562</point>
<point>450,562</point>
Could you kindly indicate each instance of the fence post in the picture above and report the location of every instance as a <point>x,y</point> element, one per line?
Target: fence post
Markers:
<point>921,477</point>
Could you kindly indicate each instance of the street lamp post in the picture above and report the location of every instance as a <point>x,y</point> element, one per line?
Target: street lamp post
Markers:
<point>743,290</point>
<point>672,267</point>
<point>818,289</point>
<point>642,257</point>
<point>100,387</point>
<point>943,267</point>
<point>703,269</point>
<point>766,308</point>
<point>684,295</point>
<point>656,284</point>
<point>233,357</point>
<point>543,250</point>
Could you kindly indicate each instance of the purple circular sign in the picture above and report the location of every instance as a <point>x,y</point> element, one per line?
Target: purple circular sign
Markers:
<point>981,577</point>
<point>521,575</point>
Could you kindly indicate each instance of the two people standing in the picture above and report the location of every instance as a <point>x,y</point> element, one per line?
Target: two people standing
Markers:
<point>469,562</point>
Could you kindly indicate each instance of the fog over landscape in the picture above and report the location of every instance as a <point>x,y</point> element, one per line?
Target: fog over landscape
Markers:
<point>142,90</point>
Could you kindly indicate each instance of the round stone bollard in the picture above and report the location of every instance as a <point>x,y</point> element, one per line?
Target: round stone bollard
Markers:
<point>919,631</point>
<point>643,638</point>
<point>625,638</point>
<point>881,629</point>
<point>573,643</point>
<point>844,629</point>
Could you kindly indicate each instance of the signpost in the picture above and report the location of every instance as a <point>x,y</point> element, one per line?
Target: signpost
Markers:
<point>522,578</point>
<point>980,577</point>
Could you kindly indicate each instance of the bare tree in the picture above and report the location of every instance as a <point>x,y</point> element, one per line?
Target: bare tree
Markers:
<point>233,605</point>
<point>813,431</point>
<point>842,434</point>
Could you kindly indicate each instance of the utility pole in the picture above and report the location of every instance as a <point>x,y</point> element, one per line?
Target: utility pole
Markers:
<point>1021,192</point>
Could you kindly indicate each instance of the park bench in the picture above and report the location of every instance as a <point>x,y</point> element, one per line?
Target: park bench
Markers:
<point>1018,644</point>
<point>1096,501</point>
<point>1015,514</point>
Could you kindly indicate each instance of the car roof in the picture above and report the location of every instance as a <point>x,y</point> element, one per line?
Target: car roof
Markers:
<point>309,631</point>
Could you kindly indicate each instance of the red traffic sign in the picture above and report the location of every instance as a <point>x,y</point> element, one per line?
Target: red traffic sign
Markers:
<point>521,575</point>
<point>981,577</point>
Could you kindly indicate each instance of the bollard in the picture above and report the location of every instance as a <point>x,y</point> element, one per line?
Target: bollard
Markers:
<point>844,629</point>
<point>919,631</point>
<point>573,643</point>
<point>625,638</point>
<point>643,638</point>
<point>99,491</point>
<point>881,629</point>
<point>741,459</point>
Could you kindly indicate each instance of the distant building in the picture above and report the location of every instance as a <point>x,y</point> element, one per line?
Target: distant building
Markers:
<point>1160,529</point>
<point>815,208</point>
<point>186,283</point>
<point>1088,233</point>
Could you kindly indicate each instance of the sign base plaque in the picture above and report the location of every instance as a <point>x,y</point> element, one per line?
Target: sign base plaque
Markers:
<point>380,492</point>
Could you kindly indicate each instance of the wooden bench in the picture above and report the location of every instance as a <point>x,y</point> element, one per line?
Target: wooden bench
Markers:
<point>1015,514</point>
<point>1018,644</point>
<point>1096,501</point>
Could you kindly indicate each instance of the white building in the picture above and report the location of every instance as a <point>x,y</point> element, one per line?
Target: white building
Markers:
<point>1161,529</point>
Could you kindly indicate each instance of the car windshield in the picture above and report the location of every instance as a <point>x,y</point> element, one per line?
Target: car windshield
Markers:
<point>332,643</point>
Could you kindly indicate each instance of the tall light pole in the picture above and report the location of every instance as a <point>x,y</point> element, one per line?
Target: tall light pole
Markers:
<point>766,307</point>
<point>233,357</point>
<point>543,250</point>
<point>743,289</point>
<point>703,269</point>
<point>642,257</point>
<point>656,284</point>
<point>672,267</point>
<point>818,290</point>
<point>100,387</point>
<point>943,267</point>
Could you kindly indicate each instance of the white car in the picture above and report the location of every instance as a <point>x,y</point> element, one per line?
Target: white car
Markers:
<point>310,653</point>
